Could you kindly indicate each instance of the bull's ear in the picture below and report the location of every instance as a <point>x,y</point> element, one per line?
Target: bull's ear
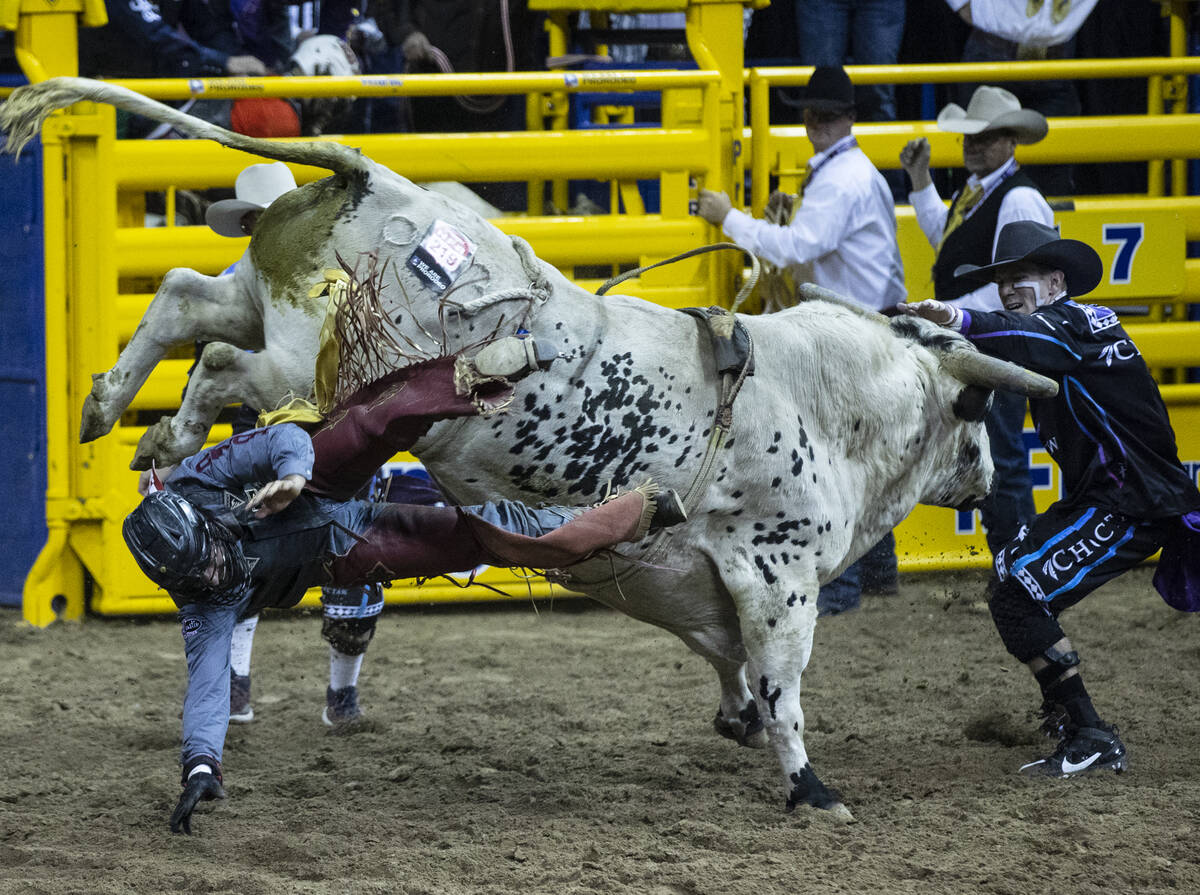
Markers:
<point>972,403</point>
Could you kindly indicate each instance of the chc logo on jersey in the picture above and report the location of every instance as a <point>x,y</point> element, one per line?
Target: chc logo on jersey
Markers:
<point>1087,549</point>
<point>1120,350</point>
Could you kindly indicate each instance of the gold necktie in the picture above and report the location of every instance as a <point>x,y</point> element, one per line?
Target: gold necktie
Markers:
<point>1058,9</point>
<point>808,173</point>
<point>967,199</point>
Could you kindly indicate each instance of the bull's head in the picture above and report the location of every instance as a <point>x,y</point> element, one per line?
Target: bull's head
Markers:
<point>975,377</point>
<point>980,374</point>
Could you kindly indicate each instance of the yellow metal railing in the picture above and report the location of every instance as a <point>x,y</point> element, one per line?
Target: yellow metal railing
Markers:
<point>1118,138</point>
<point>101,266</point>
<point>107,276</point>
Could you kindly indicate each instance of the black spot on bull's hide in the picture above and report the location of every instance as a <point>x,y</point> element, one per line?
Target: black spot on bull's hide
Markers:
<point>768,576</point>
<point>621,420</point>
<point>771,696</point>
<point>777,536</point>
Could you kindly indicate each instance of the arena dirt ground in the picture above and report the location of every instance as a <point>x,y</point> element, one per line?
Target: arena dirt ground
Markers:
<point>570,750</point>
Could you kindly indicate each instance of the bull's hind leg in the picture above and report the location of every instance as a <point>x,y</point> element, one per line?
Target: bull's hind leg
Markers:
<point>777,606</point>
<point>188,306</point>
<point>225,375</point>
<point>737,715</point>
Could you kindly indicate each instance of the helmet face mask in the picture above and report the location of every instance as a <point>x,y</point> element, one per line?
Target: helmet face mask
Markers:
<point>181,549</point>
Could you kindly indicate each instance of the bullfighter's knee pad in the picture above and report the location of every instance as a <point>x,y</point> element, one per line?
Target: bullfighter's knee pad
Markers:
<point>349,636</point>
<point>1027,629</point>
<point>350,616</point>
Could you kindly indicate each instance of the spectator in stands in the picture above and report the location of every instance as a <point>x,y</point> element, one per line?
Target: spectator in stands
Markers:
<point>467,36</point>
<point>265,30</point>
<point>1124,492</point>
<point>997,193</point>
<point>863,32</point>
<point>185,39</point>
<point>1011,30</point>
<point>844,226</point>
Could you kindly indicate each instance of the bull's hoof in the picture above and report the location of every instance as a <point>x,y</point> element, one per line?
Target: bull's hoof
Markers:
<point>93,425</point>
<point>747,730</point>
<point>155,446</point>
<point>807,789</point>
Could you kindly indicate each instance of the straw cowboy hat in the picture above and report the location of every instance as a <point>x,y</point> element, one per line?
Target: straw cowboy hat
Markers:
<point>1038,244</point>
<point>993,108</point>
<point>256,188</point>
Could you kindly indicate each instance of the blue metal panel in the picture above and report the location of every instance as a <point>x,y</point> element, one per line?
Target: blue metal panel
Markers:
<point>22,372</point>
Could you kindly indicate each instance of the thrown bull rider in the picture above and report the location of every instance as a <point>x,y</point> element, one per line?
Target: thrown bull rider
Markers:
<point>1125,493</point>
<point>256,520</point>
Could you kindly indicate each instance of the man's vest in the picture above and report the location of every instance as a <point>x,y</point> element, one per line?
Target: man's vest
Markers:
<point>971,242</point>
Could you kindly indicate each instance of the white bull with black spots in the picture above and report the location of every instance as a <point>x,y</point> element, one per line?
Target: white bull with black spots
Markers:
<point>846,424</point>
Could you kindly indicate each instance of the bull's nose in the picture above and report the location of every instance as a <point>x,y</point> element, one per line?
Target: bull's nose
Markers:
<point>972,503</point>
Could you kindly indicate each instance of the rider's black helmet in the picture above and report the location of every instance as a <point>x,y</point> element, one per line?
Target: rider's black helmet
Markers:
<point>184,551</point>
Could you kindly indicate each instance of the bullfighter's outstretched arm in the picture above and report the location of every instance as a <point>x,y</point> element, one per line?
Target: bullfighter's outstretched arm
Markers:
<point>1054,339</point>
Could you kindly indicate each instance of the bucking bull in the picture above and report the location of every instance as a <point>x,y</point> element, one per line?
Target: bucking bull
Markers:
<point>847,422</point>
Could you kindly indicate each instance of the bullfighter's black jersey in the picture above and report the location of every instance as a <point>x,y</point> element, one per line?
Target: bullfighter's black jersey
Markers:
<point>1107,429</point>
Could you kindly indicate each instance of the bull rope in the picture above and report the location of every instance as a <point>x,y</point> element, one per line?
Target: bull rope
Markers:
<point>537,292</point>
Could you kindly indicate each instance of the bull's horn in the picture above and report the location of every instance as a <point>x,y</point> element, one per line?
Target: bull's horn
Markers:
<point>976,368</point>
<point>813,292</point>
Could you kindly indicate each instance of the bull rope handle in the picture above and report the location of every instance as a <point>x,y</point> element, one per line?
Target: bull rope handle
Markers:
<point>743,293</point>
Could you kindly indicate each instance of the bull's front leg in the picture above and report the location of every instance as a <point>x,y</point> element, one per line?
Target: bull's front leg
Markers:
<point>188,306</point>
<point>777,605</point>
<point>225,375</point>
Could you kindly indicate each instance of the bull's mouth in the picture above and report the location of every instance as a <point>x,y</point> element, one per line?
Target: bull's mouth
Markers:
<point>971,503</point>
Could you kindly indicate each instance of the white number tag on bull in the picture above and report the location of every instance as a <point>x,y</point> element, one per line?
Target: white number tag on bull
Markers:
<point>442,255</point>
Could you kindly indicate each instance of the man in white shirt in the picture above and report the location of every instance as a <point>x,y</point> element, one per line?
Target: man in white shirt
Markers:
<point>996,193</point>
<point>844,226</point>
<point>845,223</point>
<point>1035,29</point>
<point>1010,30</point>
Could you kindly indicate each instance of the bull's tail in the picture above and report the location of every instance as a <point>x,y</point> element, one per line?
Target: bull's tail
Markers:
<point>21,118</point>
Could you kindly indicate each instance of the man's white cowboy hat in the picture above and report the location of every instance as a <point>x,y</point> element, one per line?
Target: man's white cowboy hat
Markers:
<point>256,188</point>
<point>994,108</point>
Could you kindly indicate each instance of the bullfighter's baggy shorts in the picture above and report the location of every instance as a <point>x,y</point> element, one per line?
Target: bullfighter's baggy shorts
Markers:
<point>1069,551</point>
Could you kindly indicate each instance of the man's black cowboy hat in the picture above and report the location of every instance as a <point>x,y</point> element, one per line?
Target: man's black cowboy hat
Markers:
<point>828,90</point>
<point>1039,244</point>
